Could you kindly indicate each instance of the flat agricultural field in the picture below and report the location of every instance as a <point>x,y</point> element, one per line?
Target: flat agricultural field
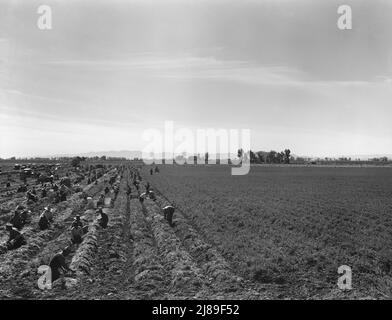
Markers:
<point>290,228</point>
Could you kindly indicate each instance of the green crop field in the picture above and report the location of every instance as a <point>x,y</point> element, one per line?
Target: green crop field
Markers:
<point>290,228</point>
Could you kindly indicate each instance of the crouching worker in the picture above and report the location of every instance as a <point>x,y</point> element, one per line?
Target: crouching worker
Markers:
<point>57,264</point>
<point>17,220</point>
<point>142,197</point>
<point>104,219</point>
<point>48,212</point>
<point>168,212</point>
<point>78,230</point>
<point>101,200</point>
<point>151,195</point>
<point>16,238</point>
<point>76,235</point>
<point>43,221</point>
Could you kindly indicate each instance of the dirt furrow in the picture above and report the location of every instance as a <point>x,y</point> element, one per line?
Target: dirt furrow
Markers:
<point>104,262</point>
<point>224,283</point>
<point>187,279</point>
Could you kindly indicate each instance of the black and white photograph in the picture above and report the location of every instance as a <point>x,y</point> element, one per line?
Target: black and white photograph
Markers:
<point>198,150</point>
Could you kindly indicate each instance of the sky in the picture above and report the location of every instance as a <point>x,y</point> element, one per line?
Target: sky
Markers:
<point>109,70</point>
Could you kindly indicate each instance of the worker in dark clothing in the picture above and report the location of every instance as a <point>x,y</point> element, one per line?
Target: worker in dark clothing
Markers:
<point>116,190</point>
<point>25,216</point>
<point>77,234</point>
<point>77,222</point>
<point>101,200</point>
<point>17,221</point>
<point>107,190</point>
<point>147,187</point>
<point>43,222</point>
<point>57,264</point>
<point>31,196</point>
<point>168,212</point>
<point>151,195</point>
<point>104,219</point>
<point>78,230</point>
<point>142,197</point>
<point>151,172</point>
<point>15,239</point>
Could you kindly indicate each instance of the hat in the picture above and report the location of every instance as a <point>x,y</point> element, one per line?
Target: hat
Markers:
<point>66,251</point>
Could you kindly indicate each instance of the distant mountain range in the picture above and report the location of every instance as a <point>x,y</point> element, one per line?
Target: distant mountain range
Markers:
<point>112,154</point>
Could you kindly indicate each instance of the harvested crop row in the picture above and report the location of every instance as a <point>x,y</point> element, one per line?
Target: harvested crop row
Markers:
<point>187,279</point>
<point>209,260</point>
<point>83,259</point>
<point>111,272</point>
<point>150,275</point>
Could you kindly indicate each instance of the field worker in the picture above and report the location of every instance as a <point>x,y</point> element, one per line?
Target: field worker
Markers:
<point>44,193</point>
<point>77,222</point>
<point>107,190</point>
<point>129,189</point>
<point>16,220</point>
<point>31,196</point>
<point>43,222</point>
<point>101,200</point>
<point>168,212</point>
<point>90,203</point>
<point>151,171</point>
<point>152,196</point>
<point>25,215</point>
<point>116,190</point>
<point>104,219</point>
<point>48,212</point>
<point>15,239</point>
<point>147,187</point>
<point>142,197</point>
<point>57,264</point>
<point>63,196</point>
<point>76,234</point>
<point>156,170</point>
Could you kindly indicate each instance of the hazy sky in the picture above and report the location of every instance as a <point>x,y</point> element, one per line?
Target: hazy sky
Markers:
<point>110,69</point>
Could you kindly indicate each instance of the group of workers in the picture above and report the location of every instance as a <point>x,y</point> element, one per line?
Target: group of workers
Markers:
<point>168,211</point>
<point>78,228</point>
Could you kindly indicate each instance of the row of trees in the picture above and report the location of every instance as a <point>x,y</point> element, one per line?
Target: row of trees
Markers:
<point>270,157</point>
<point>255,157</point>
